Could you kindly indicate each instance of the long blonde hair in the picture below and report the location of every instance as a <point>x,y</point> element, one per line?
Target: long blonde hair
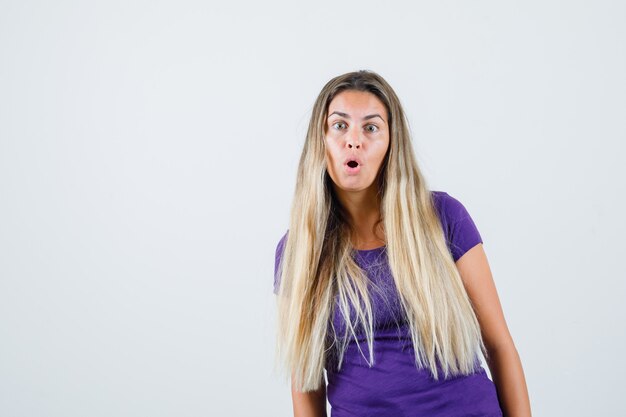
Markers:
<point>317,266</point>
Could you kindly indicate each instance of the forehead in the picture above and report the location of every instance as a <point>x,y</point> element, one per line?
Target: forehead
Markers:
<point>357,103</point>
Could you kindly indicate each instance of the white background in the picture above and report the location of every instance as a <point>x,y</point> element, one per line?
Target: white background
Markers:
<point>148,152</point>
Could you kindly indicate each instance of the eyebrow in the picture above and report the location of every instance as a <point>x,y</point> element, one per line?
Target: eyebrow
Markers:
<point>370,116</point>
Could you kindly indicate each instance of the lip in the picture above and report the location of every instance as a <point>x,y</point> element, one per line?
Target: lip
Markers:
<point>353,158</point>
<point>350,170</point>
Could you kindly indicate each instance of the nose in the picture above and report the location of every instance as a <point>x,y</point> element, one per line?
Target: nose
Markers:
<point>354,141</point>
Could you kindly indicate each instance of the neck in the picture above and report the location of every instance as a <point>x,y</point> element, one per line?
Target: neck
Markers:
<point>363,208</point>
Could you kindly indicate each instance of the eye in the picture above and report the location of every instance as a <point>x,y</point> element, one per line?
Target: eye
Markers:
<point>338,123</point>
<point>372,128</point>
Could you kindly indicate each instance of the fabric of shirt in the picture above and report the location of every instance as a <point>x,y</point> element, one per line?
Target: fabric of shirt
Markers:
<point>393,385</point>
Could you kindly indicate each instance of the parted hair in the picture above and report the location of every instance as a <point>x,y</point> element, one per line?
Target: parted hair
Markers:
<point>317,272</point>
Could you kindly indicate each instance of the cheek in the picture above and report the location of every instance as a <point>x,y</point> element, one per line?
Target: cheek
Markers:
<point>329,158</point>
<point>381,152</point>
<point>380,157</point>
<point>385,149</point>
<point>331,152</point>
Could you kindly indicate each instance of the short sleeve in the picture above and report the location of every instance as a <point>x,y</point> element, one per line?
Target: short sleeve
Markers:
<point>280,247</point>
<point>461,231</point>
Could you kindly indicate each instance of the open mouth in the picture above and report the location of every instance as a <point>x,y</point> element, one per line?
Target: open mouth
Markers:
<point>353,164</point>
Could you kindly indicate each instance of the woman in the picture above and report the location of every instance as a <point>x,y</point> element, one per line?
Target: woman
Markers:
<point>382,282</point>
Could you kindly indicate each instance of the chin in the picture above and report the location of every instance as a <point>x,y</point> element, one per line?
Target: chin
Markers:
<point>355,187</point>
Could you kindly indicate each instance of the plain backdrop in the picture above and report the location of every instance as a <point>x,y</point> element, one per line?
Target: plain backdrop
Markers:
<point>148,153</point>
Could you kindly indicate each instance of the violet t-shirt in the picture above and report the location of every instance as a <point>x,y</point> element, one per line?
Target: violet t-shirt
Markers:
<point>393,386</point>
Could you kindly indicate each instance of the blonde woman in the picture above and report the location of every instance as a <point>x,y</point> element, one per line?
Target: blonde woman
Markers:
<point>382,282</point>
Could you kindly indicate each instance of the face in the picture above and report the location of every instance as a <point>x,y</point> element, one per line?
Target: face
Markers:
<point>357,138</point>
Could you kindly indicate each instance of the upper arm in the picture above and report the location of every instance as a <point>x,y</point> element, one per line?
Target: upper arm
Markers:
<point>479,284</point>
<point>311,403</point>
<point>466,247</point>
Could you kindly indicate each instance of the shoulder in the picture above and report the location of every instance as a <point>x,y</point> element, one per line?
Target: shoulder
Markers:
<point>449,208</point>
<point>460,229</point>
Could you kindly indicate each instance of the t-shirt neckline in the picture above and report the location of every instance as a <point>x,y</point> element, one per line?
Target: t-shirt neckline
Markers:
<point>371,250</point>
